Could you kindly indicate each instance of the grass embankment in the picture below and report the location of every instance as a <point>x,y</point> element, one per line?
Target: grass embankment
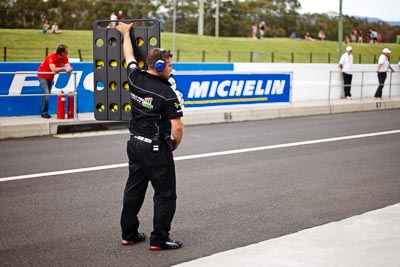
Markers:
<point>30,45</point>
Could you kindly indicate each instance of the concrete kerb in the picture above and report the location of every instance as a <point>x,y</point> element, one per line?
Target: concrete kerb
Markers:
<point>85,126</point>
<point>23,130</point>
<point>29,126</point>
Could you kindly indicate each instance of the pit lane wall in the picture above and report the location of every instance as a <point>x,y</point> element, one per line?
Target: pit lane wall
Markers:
<point>201,85</point>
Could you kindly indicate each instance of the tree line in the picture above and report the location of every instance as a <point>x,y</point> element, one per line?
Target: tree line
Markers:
<point>235,17</point>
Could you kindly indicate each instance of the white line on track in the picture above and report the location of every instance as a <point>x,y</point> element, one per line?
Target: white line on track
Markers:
<point>206,155</point>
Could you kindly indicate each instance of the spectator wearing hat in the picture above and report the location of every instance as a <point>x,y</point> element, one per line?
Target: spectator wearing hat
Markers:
<point>346,66</point>
<point>383,66</point>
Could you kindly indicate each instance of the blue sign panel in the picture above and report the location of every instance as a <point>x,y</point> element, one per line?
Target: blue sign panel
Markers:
<point>196,89</point>
<point>211,89</point>
<point>13,87</point>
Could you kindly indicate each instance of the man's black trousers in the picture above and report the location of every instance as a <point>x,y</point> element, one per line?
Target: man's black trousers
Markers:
<point>158,167</point>
<point>347,78</point>
<point>381,78</point>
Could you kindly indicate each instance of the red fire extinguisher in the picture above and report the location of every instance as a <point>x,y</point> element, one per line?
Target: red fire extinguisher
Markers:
<point>71,106</point>
<point>61,107</point>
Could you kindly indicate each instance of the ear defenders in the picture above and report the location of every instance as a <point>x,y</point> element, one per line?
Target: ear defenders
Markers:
<point>159,65</point>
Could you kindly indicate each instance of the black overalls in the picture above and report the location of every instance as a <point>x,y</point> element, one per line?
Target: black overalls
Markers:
<point>154,103</point>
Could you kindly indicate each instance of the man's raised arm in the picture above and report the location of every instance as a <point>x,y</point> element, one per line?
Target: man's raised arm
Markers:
<point>125,29</point>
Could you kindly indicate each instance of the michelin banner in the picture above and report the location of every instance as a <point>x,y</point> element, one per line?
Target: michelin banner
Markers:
<point>195,89</point>
<point>213,89</point>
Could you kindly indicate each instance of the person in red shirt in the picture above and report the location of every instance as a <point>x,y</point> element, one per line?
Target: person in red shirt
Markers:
<point>54,62</point>
<point>120,15</point>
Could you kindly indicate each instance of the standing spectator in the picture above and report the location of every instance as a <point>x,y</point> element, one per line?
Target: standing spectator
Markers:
<point>55,29</point>
<point>262,29</point>
<point>346,39</point>
<point>346,66</point>
<point>120,15</point>
<point>374,36</point>
<point>254,29</point>
<point>54,62</point>
<point>379,38</point>
<point>156,129</point>
<point>354,35</point>
<point>113,19</point>
<point>368,37</point>
<point>360,37</point>
<point>383,66</point>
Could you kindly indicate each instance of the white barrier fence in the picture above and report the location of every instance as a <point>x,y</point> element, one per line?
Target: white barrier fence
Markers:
<point>324,81</point>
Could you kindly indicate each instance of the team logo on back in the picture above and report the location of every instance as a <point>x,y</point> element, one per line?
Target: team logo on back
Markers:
<point>146,102</point>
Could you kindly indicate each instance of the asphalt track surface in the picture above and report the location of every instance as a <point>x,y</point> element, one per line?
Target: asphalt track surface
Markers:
<point>270,179</point>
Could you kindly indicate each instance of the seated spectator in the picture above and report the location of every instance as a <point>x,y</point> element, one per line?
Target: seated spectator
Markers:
<point>293,36</point>
<point>45,27</point>
<point>321,35</point>
<point>307,37</point>
<point>55,29</point>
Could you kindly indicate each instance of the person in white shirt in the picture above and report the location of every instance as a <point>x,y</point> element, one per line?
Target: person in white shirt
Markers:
<point>346,66</point>
<point>383,67</point>
<point>113,20</point>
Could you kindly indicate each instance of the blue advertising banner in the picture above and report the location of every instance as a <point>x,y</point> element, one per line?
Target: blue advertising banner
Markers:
<point>211,89</point>
<point>13,87</point>
<point>197,89</point>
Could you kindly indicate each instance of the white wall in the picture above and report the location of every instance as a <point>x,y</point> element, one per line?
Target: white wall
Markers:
<point>312,81</point>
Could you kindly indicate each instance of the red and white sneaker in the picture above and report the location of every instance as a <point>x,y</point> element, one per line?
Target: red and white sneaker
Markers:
<point>169,244</point>
<point>139,238</point>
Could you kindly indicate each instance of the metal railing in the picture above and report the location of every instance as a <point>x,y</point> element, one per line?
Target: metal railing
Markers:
<point>362,80</point>
<point>34,54</point>
<point>238,55</point>
<point>74,92</point>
